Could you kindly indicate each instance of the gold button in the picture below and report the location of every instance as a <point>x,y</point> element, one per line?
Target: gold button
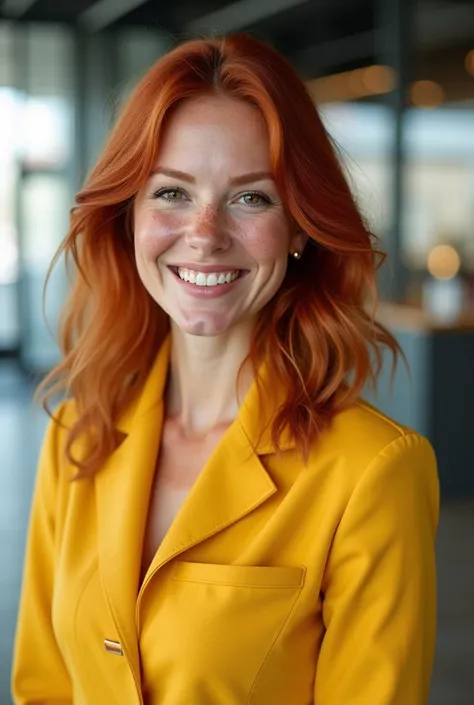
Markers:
<point>113,647</point>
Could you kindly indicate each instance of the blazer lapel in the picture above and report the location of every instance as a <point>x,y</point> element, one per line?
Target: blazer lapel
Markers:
<point>231,485</point>
<point>233,482</point>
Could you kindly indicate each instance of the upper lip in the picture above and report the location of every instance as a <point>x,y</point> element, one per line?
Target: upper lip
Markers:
<point>208,268</point>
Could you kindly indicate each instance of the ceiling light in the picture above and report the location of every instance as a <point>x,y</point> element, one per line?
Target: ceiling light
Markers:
<point>443,262</point>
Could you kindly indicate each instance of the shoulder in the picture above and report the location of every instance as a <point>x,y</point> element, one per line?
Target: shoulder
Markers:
<point>363,432</point>
<point>52,455</point>
<point>62,419</point>
<point>365,447</point>
<point>369,425</point>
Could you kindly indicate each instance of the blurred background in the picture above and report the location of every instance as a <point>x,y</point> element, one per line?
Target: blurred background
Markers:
<point>394,80</point>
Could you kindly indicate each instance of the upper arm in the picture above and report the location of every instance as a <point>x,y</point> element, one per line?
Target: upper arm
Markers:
<point>379,602</point>
<point>39,673</point>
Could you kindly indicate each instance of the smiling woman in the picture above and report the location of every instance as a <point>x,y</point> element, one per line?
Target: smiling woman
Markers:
<point>219,518</point>
<point>211,249</point>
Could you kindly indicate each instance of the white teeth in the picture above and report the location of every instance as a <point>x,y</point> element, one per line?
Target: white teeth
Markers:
<point>211,279</point>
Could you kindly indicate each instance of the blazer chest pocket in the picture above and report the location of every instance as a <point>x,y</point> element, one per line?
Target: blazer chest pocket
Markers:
<point>240,576</point>
<point>219,624</point>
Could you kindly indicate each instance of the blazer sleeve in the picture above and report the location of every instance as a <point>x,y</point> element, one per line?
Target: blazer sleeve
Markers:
<point>379,591</point>
<point>39,674</point>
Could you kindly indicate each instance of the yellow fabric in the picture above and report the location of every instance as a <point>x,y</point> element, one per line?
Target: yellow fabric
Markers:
<point>278,584</point>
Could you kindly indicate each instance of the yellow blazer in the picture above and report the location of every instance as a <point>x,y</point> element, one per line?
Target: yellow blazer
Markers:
<point>277,584</point>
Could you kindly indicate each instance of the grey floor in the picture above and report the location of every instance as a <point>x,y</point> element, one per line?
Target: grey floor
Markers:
<point>21,429</point>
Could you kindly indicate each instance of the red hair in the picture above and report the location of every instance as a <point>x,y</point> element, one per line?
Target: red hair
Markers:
<point>320,341</point>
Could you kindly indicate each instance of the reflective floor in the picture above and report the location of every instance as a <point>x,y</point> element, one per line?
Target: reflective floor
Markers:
<point>21,429</point>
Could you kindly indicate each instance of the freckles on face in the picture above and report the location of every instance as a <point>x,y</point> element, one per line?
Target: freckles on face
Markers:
<point>155,231</point>
<point>206,216</point>
<point>264,238</point>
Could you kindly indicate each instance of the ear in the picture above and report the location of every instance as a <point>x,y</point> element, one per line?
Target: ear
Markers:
<point>298,242</point>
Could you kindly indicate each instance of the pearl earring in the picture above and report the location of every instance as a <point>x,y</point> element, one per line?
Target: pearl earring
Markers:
<point>296,255</point>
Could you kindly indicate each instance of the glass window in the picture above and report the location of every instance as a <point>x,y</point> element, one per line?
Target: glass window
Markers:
<point>46,150</point>
<point>44,208</point>
<point>364,133</point>
<point>10,115</point>
<point>440,184</point>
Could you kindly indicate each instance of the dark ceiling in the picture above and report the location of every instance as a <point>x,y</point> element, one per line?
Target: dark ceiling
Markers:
<point>317,35</point>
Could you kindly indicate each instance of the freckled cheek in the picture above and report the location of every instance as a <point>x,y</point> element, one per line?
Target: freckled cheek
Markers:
<point>155,232</point>
<point>264,242</point>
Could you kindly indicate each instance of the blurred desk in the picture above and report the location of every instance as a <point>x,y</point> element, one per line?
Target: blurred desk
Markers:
<point>412,318</point>
<point>435,396</point>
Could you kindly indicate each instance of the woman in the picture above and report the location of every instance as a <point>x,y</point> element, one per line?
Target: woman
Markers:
<point>218,518</point>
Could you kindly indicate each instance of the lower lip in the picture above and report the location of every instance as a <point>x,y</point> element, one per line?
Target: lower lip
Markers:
<point>207,292</point>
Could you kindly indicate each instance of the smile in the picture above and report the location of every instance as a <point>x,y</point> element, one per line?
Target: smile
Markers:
<point>208,278</point>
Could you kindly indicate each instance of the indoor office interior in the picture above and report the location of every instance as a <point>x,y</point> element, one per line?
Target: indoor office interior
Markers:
<point>394,80</point>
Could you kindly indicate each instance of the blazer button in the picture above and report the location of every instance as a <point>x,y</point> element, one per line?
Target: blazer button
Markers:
<point>113,647</point>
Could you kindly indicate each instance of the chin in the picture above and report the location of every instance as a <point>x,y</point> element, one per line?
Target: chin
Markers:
<point>203,326</point>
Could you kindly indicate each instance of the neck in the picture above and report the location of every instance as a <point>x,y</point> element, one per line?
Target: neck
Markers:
<point>202,390</point>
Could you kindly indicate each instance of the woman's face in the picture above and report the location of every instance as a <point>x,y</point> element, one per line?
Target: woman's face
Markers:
<point>211,234</point>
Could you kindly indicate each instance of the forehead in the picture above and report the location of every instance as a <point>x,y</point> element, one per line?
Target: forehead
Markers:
<point>216,128</point>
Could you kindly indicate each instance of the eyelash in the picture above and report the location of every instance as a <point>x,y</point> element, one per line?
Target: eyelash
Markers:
<point>162,191</point>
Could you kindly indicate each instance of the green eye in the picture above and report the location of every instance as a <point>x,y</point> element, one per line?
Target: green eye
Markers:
<point>252,199</point>
<point>255,199</point>
<point>169,194</point>
<point>173,195</point>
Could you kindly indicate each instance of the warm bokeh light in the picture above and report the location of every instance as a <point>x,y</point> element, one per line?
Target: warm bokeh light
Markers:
<point>426,94</point>
<point>354,81</point>
<point>351,85</point>
<point>469,62</point>
<point>443,262</point>
<point>330,89</point>
<point>379,79</point>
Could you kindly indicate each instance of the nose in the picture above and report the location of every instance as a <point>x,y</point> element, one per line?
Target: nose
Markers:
<point>207,232</point>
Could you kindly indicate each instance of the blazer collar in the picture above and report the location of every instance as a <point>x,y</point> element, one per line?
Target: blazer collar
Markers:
<point>258,411</point>
<point>255,415</point>
<point>151,396</point>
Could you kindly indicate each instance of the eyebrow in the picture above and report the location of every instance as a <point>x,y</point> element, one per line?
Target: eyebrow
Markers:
<point>236,181</point>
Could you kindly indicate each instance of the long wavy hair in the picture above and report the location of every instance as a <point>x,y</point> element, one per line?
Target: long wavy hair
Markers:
<point>318,334</point>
